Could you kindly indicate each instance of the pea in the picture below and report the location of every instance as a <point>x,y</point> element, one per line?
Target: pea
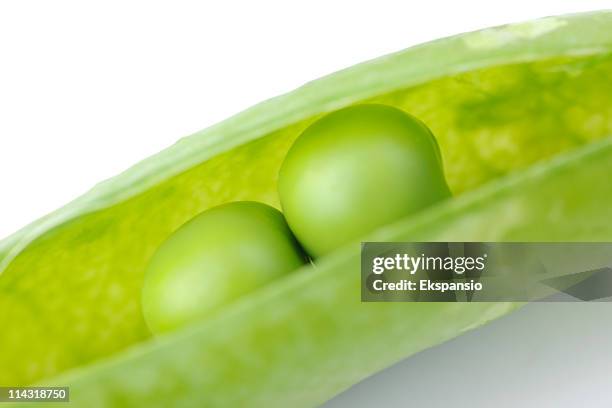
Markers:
<point>218,256</point>
<point>357,169</point>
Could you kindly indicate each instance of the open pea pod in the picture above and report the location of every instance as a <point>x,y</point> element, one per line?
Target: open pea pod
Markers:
<point>522,114</point>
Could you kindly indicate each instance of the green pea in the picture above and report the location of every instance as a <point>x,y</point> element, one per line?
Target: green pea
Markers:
<point>218,256</point>
<point>357,169</point>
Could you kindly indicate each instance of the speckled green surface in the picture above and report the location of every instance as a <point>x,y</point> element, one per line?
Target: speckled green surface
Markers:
<point>498,100</point>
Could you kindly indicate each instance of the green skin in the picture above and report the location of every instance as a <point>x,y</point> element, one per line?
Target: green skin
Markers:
<point>357,169</point>
<point>69,280</point>
<point>218,256</point>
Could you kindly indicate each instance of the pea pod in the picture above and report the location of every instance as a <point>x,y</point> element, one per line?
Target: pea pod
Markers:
<point>523,116</point>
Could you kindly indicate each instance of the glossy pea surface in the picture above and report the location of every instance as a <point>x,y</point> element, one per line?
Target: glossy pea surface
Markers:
<point>218,256</point>
<point>357,169</point>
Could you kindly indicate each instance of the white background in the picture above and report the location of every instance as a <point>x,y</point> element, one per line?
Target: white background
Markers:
<point>89,88</point>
